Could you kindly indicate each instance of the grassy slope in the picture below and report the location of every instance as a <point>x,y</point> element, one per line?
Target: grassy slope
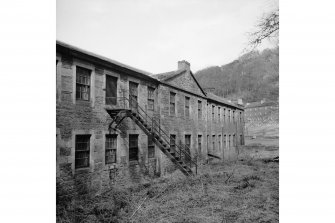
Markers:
<point>245,191</point>
<point>252,77</point>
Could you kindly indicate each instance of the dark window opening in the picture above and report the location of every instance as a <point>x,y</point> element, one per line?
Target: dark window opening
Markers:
<point>199,110</point>
<point>110,149</point>
<point>133,94</point>
<point>151,98</point>
<point>82,151</point>
<point>172,103</point>
<point>188,144</point>
<point>213,107</point>
<point>219,115</point>
<point>225,141</point>
<point>199,143</point>
<point>151,147</point>
<point>173,143</point>
<point>83,83</point>
<point>224,115</point>
<point>111,90</point>
<point>187,106</point>
<point>219,142</point>
<point>229,114</point>
<point>133,147</point>
<point>213,142</point>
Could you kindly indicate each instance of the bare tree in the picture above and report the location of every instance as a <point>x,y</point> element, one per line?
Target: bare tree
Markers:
<point>266,28</point>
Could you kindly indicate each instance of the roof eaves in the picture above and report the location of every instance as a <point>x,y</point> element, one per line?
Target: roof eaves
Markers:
<point>74,48</point>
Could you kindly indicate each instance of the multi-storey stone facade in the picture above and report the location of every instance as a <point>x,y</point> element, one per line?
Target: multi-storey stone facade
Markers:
<point>91,157</point>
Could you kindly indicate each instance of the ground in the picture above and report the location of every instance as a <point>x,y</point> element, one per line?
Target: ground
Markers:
<point>246,190</point>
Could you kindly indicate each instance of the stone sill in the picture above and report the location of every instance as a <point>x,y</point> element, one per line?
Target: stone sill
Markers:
<point>82,170</point>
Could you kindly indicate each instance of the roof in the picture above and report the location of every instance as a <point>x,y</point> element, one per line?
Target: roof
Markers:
<point>167,75</point>
<point>161,78</point>
<point>105,59</point>
<point>222,100</point>
<point>164,77</point>
<point>260,104</point>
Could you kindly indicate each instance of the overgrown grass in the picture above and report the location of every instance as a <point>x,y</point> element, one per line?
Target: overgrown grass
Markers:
<point>242,191</point>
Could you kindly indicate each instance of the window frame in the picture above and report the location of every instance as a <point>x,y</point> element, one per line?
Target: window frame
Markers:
<point>131,147</point>
<point>219,142</point>
<point>86,84</point>
<point>109,100</point>
<point>82,151</point>
<point>151,148</point>
<point>225,140</point>
<point>151,98</point>
<point>173,142</point>
<point>187,106</point>
<point>224,114</point>
<point>199,110</point>
<point>112,150</point>
<point>200,143</point>
<point>173,103</point>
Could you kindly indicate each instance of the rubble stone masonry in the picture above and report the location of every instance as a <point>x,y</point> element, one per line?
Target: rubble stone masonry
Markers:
<point>75,117</point>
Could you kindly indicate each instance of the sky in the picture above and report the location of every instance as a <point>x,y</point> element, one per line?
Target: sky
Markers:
<point>153,35</point>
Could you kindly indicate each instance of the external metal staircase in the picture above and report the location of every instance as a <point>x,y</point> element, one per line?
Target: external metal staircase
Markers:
<point>178,154</point>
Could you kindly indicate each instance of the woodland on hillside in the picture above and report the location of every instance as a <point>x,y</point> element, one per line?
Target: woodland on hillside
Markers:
<point>252,77</point>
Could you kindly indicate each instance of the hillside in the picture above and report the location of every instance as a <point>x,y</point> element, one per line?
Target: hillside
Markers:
<point>252,77</point>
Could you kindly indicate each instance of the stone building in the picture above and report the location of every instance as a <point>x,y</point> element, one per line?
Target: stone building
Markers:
<point>257,111</point>
<point>118,125</point>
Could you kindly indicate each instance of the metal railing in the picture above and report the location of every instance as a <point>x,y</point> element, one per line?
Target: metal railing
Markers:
<point>156,130</point>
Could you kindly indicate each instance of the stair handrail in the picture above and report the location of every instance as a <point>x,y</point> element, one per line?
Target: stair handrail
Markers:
<point>154,123</point>
<point>160,130</point>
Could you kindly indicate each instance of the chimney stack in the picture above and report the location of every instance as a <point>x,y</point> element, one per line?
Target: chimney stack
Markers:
<point>184,65</point>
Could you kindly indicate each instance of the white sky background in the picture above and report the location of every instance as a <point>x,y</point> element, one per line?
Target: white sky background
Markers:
<point>152,35</point>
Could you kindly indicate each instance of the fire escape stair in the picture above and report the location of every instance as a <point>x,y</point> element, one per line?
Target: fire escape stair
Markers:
<point>119,114</point>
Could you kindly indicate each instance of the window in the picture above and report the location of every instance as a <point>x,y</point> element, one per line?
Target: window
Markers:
<point>229,120</point>
<point>133,94</point>
<point>199,110</point>
<point>224,115</point>
<point>151,98</point>
<point>208,142</point>
<point>133,147</point>
<point>83,83</point>
<point>241,140</point>
<point>173,143</point>
<point>213,142</point>
<point>233,116</point>
<point>172,103</point>
<point>187,106</point>
<point>219,115</point>
<point>213,107</point>
<point>229,141</point>
<point>234,140</point>
<point>111,89</point>
<point>188,143</point>
<point>225,141</point>
<point>82,154</point>
<point>199,143</point>
<point>151,147</point>
<point>110,149</point>
<point>219,142</point>
<point>240,117</point>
